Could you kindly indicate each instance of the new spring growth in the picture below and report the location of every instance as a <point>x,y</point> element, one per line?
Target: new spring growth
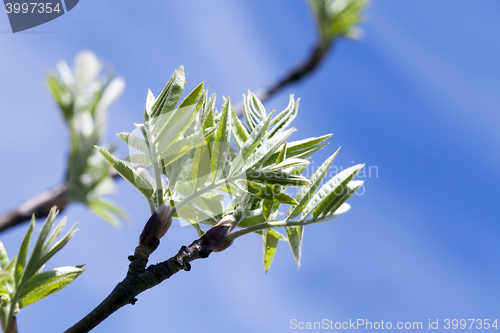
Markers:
<point>157,226</point>
<point>213,238</point>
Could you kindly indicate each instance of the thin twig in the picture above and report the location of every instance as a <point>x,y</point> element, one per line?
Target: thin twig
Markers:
<point>298,73</point>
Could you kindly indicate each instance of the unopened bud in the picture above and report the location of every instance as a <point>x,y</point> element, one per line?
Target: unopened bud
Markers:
<point>165,214</point>
<point>214,237</point>
<point>157,226</point>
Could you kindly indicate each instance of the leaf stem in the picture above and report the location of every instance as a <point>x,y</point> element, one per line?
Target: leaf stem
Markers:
<point>275,224</point>
<point>154,158</point>
<point>203,190</point>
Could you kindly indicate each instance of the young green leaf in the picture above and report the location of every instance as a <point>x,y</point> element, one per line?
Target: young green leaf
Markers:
<point>213,207</point>
<point>324,218</point>
<point>329,191</point>
<point>57,246</point>
<point>257,106</point>
<point>249,146</point>
<point>62,96</point>
<point>44,284</point>
<point>150,101</point>
<point>264,152</point>
<point>141,159</point>
<point>302,148</point>
<point>337,18</point>
<point>53,236</point>
<point>286,165</point>
<point>283,114</point>
<point>181,147</point>
<point>180,120</point>
<point>270,239</point>
<point>294,234</point>
<point>207,119</point>
<point>23,253</point>
<point>193,97</point>
<point>252,217</point>
<point>134,142</point>
<point>201,166</point>
<point>250,118</point>
<point>346,193</point>
<point>276,178</point>
<point>128,173</point>
<point>34,263</point>
<point>193,216</point>
<point>306,143</point>
<point>170,95</point>
<point>4,257</point>
<point>205,101</point>
<point>266,192</point>
<point>221,142</point>
<point>107,211</point>
<point>239,130</point>
<point>286,117</point>
<point>307,192</point>
<point>111,93</point>
<point>304,153</point>
<point>4,275</point>
<point>282,155</point>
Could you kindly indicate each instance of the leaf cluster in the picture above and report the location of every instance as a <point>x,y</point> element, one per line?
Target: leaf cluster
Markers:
<point>337,18</point>
<point>22,281</point>
<point>188,159</point>
<point>84,96</point>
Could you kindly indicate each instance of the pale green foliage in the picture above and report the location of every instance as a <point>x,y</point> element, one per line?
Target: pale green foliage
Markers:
<point>84,97</point>
<point>22,281</point>
<point>336,18</point>
<point>187,159</point>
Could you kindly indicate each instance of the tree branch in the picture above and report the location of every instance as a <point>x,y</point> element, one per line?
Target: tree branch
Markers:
<point>297,73</point>
<point>39,205</point>
<point>139,278</point>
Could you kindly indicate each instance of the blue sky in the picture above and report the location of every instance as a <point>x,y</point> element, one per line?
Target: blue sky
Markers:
<point>418,98</point>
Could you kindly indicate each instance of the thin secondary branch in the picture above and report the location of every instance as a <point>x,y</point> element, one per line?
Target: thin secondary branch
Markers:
<point>297,73</point>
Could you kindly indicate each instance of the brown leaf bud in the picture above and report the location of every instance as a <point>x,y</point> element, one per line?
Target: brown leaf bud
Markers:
<point>157,225</point>
<point>213,238</point>
<point>151,229</point>
<point>165,214</point>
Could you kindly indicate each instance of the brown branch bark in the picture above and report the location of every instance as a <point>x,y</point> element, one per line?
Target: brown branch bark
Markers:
<point>12,327</point>
<point>39,205</point>
<point>139,278</point>
<point>299,72</point>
